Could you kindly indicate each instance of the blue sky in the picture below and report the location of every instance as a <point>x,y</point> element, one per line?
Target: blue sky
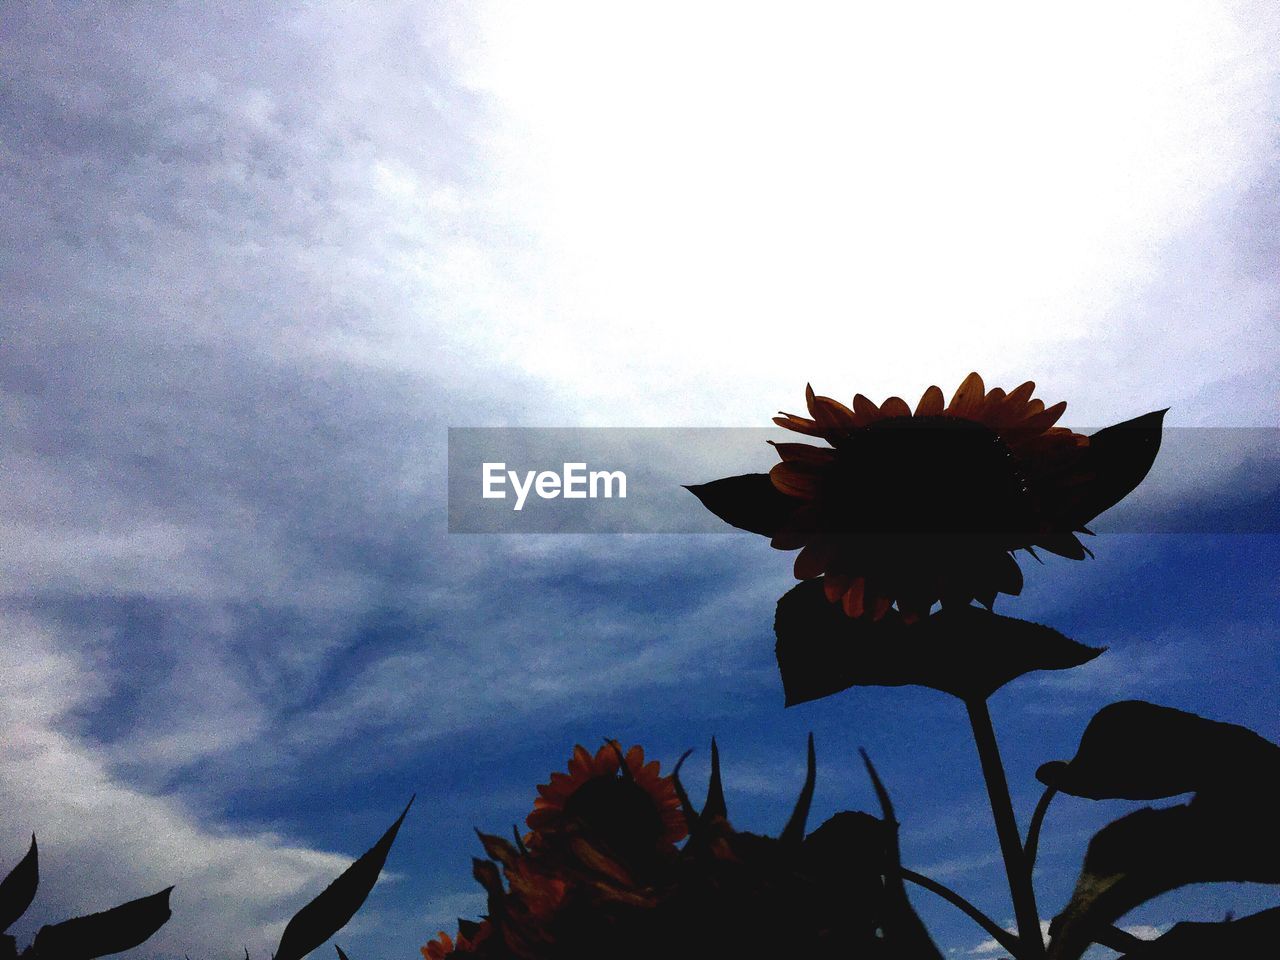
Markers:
<point>256,262</point>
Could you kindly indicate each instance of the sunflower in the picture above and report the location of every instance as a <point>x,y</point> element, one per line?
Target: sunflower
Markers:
<point>938,497</point>
<point>614,799</point>
<point>907,508</point>
<point>444,946</point>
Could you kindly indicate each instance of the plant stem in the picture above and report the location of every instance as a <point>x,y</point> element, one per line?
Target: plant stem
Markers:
<point>1002,937</point>
<point>1032,846</point>
<point>1024,897</point>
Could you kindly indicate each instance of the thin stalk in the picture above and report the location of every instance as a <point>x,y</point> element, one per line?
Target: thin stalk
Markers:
<point>1001,936</point>
<point>1020,889</point>
<point>1033,832</point>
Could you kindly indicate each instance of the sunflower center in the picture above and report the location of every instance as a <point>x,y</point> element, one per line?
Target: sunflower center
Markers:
<point>927,476</point>
<point>618,813</point>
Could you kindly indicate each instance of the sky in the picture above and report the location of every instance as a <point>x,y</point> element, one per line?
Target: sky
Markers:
<point>257,259</point>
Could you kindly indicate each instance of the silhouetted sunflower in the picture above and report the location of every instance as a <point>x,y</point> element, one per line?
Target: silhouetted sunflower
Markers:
<point>823,895</point>
<point>625,804</point>
<point>912,507</point>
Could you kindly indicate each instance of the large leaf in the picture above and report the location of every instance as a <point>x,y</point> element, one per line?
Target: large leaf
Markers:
<point>1118,458</point>
<point>1229,831</point>
<point>337,903</point>
<point>749,502</point>
<point>967,652</point>
<point>101,934</point>
<point>1151,852</point>
<point>1136,750</point>
<point>18,889</point>
<point>1255,937</point>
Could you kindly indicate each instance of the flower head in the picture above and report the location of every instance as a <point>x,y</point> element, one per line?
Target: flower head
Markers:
<point>905,508</point>
<point>618,801</point>
<point>917,507</point>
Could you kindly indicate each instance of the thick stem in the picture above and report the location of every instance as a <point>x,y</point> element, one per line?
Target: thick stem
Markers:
<point>1024,897</point>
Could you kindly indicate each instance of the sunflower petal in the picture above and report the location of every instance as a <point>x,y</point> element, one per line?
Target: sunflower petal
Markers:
<point>931,404</point>
<point>853,598</point>
<point>865,410</point>
<point>812,561</point>
<point>796,479</point>
<point>790,421</point>
<point>968,397</point>
<point>895,407</point>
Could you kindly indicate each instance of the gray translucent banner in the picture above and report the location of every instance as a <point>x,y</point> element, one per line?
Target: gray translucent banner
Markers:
<point>631,480</point>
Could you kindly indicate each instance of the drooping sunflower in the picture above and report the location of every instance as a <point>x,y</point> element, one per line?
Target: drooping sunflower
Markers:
<point>618,800</point>
<point>907,508</point>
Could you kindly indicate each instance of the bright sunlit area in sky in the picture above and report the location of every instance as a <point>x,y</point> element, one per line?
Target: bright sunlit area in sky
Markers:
<point>743,200</point>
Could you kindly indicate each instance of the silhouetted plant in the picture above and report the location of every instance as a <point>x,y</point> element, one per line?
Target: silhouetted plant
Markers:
<point>337,903</point>
<point>81,938</point>
<point>132,923</point>
<point>905,509</point>
<point>600,875</point>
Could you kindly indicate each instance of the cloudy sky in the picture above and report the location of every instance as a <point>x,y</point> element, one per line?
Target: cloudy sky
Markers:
<point>257,259</point>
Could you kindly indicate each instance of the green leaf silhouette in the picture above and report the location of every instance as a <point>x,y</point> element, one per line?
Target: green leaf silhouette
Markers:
<point>101,934</point>
<point>337,903</point>
<point>18,889</point>
<point>966,652</point>
<point>1227,833</point>
<point>749,502</point>
<point>1136,750</point>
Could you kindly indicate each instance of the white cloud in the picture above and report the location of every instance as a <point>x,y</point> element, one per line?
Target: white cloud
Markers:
<point>103,841</point>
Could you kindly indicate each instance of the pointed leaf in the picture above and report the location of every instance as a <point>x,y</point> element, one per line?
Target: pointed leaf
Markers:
<point>101,934</point>
<point>967,652</point>
<point>715,805</point>
<point>1136,750</point>
<point>337,903</point>
<point>1151,852</point>
<point>749,502</point>
<point>793,832</point>
<point>902,925</point>
<point>18,889</point>
<point>1118,457</point>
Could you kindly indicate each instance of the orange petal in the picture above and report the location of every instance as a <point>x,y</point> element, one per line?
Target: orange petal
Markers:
<point>931,404</point>
<point>831,413</point>
<point>879,607</point>
<point>853,598</point>
<point>1043,421</point>
<point>812,561</point>
<point>799,424</point>
<point>968,397</point>
<point>1032,408</point>
<point>795,479</point>
<point>895,407</point>
<point>581,761</point>
<point>865,411</point>
<point>835,585</point>
<point>1021,394</point>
